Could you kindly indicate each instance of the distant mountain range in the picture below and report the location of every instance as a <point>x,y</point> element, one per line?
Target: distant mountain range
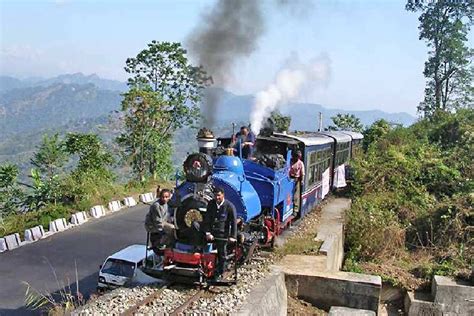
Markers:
<point>9,83</point>
<point>76,102</point>
<point>305,116</point>
<point>28,104</point>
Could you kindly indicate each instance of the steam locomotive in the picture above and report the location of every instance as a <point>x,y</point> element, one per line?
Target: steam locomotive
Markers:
<point>260,189</point>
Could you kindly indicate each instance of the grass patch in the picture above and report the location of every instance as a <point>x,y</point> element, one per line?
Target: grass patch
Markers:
<point>302,242</point>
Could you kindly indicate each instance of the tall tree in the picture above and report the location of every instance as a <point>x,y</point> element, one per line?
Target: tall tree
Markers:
<point>48,161</point>
<point>282,122</point>
<point>346,122</point>
<point>375,131</point>
<point>146,144</point>
<point>93,158</point>
<point>10,193</point>
<point>165,90</point>
<point>50,156</point>
<point>444,26</point>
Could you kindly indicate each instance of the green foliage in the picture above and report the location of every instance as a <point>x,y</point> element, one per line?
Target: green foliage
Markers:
<point>163,67</point>
<point>277,122</point>
<point>10,193</point>
<point>444,25</point>
<point>378,129</point>
<point>146,142</point>
<point>43,191</point>
<point>165,90</point>
<point>412,190</point>
<point>282,122</point>
<point>8,175</point>
<point>346,122</point>
<point>93,159</point>
<point>50,156</point>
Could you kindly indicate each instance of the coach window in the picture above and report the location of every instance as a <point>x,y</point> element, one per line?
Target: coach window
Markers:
<point>311,174</point>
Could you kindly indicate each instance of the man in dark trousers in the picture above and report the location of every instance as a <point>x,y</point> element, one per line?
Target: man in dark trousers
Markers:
<point>221,226</point>
<point>158,221</point>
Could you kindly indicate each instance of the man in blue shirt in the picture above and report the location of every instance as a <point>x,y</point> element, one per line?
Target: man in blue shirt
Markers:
<point>247,142</point>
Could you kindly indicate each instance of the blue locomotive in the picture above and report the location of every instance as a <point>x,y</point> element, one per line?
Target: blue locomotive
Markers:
<point>260,189</point>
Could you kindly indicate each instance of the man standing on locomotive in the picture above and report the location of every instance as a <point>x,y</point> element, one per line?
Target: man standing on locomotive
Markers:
<point>247,142</point>
<point>297,173</point>
<point>220,226</point>
<point>158,221</point>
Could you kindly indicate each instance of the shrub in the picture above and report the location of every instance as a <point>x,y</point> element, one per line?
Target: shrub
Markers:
<point>373,229</point>
<point>412,190</point>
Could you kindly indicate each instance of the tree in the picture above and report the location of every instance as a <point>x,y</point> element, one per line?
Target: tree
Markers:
<point>277,122</point>
<point>282,122</point>
<point>375,131</point>
<point>147,146</point>
<point>50,156</point>
<point>43,191</point>
<point>444,25</point>
<point>165,90</point>
<point>346,122</point>
<point>93,159</point>
<point>10,193</point>
<point>48,159</point>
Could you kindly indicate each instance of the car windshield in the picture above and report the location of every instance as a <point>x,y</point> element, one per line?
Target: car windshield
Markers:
<point>119,267</point>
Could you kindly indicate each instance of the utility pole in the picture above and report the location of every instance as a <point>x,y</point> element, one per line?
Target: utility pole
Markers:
<point>320,129</point>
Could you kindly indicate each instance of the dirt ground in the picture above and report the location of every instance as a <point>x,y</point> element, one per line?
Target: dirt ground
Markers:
<point>300,307</point>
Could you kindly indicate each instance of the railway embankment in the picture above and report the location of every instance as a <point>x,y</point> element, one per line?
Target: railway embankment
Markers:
<point>317,278</point>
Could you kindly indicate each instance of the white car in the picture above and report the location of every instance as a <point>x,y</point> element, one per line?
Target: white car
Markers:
<point>123,267</point>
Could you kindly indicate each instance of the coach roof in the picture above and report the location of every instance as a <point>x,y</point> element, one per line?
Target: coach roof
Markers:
<point>309,139</point>
<point>354,135</point>
<point>339,136</point>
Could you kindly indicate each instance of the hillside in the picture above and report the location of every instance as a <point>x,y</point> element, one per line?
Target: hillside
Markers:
<point>304,115</point>
<point>9,83</point>
<point>76,102</point>
<point>33,108</point>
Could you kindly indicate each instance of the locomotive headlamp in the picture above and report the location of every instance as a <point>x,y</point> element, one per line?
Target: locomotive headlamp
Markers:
<point>197,167</point>
<point>191,216</point>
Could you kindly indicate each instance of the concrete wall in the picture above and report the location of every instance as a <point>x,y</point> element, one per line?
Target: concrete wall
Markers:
<point>326,289</point>
<point>267,298</point>
<point>447,297</point>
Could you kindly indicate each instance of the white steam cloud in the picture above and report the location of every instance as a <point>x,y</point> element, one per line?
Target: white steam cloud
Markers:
<point>288,84</point>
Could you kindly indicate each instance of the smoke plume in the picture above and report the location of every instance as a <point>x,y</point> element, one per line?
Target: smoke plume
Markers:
<point>288,84</point>
<point>231,30</point>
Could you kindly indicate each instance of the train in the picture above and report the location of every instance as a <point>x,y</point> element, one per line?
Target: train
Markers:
<point>261,190</point>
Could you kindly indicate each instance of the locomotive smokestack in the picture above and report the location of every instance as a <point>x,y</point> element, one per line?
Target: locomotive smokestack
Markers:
<point>206,141</point>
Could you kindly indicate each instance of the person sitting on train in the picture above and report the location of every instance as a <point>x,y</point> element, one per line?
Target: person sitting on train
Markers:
<point>158,222</point>
<point>247,142</point>
<point>297,173</point>
<point>220,226</point>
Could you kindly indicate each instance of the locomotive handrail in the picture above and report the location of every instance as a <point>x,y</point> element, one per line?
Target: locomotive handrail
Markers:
<point>257,176</point>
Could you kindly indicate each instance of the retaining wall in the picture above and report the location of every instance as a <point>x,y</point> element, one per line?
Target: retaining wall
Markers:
<point>447,297</point>
<point>326,289</point>
<point>267,298</point>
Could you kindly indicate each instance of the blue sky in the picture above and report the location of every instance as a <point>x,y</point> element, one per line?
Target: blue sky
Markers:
<point>376,57</point>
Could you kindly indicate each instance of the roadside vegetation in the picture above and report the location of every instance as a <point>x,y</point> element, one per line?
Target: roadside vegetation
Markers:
<point>413,191</point>
<point>412,214</point>
<point>74,171</point>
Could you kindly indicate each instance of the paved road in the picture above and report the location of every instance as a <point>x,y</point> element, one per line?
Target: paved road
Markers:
<point>87,246</point>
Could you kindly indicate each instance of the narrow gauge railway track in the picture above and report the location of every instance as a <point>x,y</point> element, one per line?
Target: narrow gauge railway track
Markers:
<point>206,292</point>
<point>146,301</point>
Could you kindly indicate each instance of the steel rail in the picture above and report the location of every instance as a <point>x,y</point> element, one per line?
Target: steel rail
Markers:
<point>146,301</point>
